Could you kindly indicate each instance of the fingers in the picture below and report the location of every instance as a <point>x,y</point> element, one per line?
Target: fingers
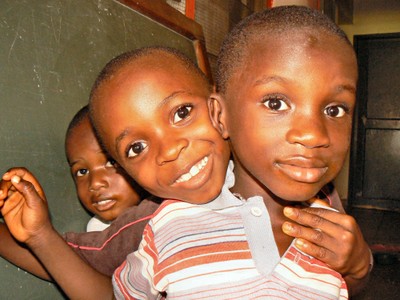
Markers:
<point>326,220</point>
<point>24,174</point>
<point>326,235</point>
<point>311,241</point>
<point>4,188</point>
<point>25,187</point>
<point>19,171</point>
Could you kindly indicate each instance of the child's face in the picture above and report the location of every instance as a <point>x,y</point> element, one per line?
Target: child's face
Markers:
<point>289,114</point>
<point>159,130</point>
<point>101,187</point>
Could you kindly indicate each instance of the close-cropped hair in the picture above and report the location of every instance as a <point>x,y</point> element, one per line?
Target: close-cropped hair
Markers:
<point>122,60</point>
<point>276,21</point>
<point>77,119</point>
<point>133,56</point>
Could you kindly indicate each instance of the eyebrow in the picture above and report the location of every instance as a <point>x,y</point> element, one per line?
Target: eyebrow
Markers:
<point>126,131</point>
<point>120,137</point>
<point>346,87</point>
<point>268,79</point>
<point>170,97</point>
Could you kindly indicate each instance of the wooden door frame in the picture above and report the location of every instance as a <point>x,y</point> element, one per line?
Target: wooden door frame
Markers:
<point>360,124</point>
<point>165,14</point>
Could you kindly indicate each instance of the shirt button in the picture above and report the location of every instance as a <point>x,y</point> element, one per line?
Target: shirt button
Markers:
<point>256,211</point>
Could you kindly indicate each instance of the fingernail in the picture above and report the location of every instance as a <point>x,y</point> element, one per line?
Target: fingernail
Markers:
<point>300,243</point>
<point>288,211</point>
<point>287,227</point>
<point>16,179</point>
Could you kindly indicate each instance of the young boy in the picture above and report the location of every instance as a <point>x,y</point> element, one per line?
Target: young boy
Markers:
<point>161,108</point>
<point>182,251</point>
<point>105,191</point>
<point>286,102</point>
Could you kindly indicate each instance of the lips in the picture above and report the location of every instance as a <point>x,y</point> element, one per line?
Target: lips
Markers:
<point>303,169</point>
<point>194,170</point>
<point>103,205</point>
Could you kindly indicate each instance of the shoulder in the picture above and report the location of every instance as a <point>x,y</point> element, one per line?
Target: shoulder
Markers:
<point>95,224</point>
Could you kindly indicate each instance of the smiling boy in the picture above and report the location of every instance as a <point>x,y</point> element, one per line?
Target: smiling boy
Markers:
<point>180,255</point>
<point>172,148</point>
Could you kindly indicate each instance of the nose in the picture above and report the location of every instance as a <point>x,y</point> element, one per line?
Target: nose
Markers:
<point>308,130</point>
<point>170,148</point>
<point>98,180</point>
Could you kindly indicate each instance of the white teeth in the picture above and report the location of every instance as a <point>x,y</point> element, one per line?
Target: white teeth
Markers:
<point>193,170</point>
<point>103,202</point>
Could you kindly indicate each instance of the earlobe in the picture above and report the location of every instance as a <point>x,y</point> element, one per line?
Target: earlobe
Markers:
<point>216,108</point>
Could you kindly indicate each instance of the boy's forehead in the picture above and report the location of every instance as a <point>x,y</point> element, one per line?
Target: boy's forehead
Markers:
<point>80,131</point>
<point>143,83</point>
<point>272,46</point>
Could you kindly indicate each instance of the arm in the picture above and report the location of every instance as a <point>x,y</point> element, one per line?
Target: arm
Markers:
<point>106,250</point>
<point>19,255</point>
<point>339,243</point>
<point>26,213</point>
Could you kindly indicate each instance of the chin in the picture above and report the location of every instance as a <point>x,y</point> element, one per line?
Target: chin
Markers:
<point>297,194</point>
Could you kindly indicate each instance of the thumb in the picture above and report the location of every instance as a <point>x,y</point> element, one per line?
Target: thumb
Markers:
<point>27,189</point>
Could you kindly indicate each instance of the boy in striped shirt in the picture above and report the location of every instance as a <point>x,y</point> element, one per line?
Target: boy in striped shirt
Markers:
<point>232,246</point>
<point>215,244</point>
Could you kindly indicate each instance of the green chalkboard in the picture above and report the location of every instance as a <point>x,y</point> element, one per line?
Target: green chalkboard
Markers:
<point>50,54</point>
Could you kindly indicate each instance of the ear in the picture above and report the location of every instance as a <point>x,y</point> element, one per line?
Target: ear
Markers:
<point>217,111</point>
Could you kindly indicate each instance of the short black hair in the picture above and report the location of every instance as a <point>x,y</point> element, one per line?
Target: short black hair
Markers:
<point>132,56</point>
<point>77,120</point>
<point>278,20</point>
<point>120,61</point>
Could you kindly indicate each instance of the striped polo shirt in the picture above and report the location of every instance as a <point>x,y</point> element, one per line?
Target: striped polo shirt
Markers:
<point>224,249</point>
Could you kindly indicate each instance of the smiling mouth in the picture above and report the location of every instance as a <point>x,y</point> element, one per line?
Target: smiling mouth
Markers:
<point>194,170</point>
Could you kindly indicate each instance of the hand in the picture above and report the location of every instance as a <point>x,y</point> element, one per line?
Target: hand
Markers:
<point>23,204</point>
<point>332,237</point>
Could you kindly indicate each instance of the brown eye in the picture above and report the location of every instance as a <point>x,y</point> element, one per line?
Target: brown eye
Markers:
<point>81,172</point>
<point>110,162</point>
<point>276,104</point>
<point>136,149</point>
<point>335,111</point>
<point>182,113</point>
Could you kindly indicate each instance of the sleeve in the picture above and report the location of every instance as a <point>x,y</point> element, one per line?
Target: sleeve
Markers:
<point>106,250</point>
<point>134,279</point>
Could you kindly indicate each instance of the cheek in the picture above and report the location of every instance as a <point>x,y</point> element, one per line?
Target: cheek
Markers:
<point>85,200</point>
<point>143,175</point>
<point>340,139</point>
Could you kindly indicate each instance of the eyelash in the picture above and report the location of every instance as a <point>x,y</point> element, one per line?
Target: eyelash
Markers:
<point>189,107</point>
<point>131,147</point>
<point>79,174</point>
<point>345,111</point>
<point>269,99</point>
<point>130,153</point>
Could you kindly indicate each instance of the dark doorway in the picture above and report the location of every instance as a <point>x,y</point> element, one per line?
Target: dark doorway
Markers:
<point>374,180</point>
